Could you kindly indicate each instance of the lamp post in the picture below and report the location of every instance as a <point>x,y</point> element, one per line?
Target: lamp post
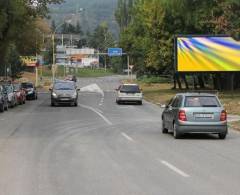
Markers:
<point>53,45</point>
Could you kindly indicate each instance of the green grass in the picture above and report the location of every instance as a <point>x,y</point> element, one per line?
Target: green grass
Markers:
<point>161,93</point>
<point>80,72</point>
<point>154,79</point>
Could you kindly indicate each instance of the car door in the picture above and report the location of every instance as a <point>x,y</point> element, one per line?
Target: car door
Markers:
<point>167,113</point>
<point>173,115</point>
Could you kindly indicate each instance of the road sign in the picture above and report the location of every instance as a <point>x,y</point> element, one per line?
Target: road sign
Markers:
<point>115,52</point>
<point>131,66</point>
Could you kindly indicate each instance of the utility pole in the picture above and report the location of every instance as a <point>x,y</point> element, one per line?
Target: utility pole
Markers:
<point>128,63</point>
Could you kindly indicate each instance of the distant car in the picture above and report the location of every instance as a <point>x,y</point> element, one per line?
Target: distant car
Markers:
<point>129,93</point>
<point>11,95</point>
<point>195,113</point>
<point>3,100</point>
<point>30,90</point>
<point>71,78</point>
<point>20,92</point>
<point>64,92</point>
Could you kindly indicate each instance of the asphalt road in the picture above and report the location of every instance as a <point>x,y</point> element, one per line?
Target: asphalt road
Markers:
<point>100,148</point>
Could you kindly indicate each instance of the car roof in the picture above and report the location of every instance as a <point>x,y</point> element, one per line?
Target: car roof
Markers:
<point>130,84</point>
<point>196,94</point>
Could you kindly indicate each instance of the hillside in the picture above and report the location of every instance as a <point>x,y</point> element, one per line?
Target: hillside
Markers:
<point>90,13</point>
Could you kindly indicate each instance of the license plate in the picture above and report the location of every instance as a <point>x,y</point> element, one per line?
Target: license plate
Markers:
<point>64,99</point>
<point>200,115</point>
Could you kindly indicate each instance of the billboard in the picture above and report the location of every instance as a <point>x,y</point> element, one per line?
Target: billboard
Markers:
<point>29,61</point>
<point>207,54</point>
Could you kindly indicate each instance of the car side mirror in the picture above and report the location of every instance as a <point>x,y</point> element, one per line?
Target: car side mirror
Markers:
<point>50,89</point>
<point>78,89</point>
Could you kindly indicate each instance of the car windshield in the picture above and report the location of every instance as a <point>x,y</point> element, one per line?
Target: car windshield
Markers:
<point>64,86</point>
<point>27,85</point>
<point>8,88</point>
<point>16,87</point>
<point>201,101</point>
<point>130,89</point>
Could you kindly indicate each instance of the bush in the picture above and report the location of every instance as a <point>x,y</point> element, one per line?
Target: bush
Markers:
<point>154,79</point>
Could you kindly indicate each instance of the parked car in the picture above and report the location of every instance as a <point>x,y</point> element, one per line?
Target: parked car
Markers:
<point>195,113</point>
<point>30,90</point>
<point>3,100</point>
<point>20,92</point>
<point>11,95</point>
<point>129,93</point>
<point>64,92</point>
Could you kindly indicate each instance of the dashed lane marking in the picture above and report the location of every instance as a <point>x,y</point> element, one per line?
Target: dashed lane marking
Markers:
<point>127,137</point>
<point>175,169</point>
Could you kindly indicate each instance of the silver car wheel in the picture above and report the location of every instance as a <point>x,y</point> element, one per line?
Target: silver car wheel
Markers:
<point>176,134</point>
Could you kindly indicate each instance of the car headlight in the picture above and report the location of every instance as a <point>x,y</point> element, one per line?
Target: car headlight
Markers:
<point>54,94</point>
<point>74,95</point>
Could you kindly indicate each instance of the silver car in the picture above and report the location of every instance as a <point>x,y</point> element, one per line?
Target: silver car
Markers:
<point>195,113</point>
<point>129,93</point>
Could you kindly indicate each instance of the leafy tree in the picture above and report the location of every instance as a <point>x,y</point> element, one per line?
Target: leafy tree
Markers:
<point>148,28</point>
<point>102,38</point>
<point>16,18</point>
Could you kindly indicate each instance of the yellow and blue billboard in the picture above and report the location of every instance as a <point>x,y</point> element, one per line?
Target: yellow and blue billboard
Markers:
<point>208,54</point>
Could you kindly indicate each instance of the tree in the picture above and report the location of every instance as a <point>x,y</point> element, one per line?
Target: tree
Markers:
<point>53,26</point>
<point>148,29</point>
<point>15,19</point>
<point>102,38</point>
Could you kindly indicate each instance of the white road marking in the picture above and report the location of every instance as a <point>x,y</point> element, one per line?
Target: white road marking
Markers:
<point>127,137</point>
<point>98,113</point>
<point>101,101</point>
<point>2,119</point>
<point>99,110</point>
<point>173,168</point>
<point>93,88</point>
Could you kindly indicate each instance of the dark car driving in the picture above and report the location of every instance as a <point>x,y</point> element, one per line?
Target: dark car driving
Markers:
<point>3,100</point>
<point>30,90</point>
<point>64,92</point>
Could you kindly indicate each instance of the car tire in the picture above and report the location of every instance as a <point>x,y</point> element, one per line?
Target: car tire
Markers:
<point>12,104</point>
<point>176,133</point>
<point>52,104</point>
<point>118,102</point>
<point>75,104</point>
<point>222,135</point>
<point>140,103</point>
<point>2,108</point>
<point>6,108</point>
<point>164,129</point>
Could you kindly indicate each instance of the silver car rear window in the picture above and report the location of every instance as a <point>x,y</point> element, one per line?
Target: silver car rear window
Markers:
<point>201,101</point>
<point>130,89</point>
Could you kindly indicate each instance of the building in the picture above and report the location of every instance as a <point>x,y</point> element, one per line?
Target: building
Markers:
<point>74,57</point>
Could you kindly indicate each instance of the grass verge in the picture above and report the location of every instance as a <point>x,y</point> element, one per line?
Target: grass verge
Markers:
<point>79,72</point>
<point>161,93</point>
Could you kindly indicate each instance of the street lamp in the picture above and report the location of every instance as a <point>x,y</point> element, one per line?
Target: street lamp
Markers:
<point>53,44</point>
